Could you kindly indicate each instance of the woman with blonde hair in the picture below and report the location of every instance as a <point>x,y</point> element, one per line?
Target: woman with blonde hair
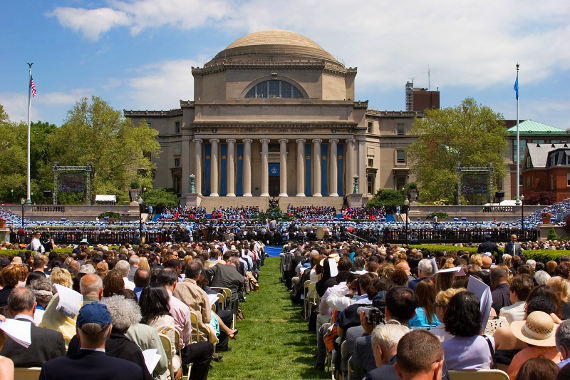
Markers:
<point>143,263</point>
<point>102,269</point>
<point>441,301</point>
<point>560,287</point>
<point>61,276</point>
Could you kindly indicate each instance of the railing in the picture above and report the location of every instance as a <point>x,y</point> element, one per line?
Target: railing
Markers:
<point>47,208</point>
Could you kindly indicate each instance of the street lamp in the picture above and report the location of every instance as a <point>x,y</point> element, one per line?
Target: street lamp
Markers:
<point>140,215</point>
<point>12,197</point>
<point>522,214</point>
<point>406,209</point>
<point>22,202</point>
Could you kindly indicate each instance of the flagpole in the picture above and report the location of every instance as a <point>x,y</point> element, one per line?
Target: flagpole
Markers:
<point>28,186</point>
<point>518,143</point>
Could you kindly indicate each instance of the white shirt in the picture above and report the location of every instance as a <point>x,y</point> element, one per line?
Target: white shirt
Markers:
<point>128,284</point>
<point>514,312</point>
<point>37,246</point>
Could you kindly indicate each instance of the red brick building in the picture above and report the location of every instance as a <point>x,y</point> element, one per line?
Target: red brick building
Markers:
<point>546,168</point>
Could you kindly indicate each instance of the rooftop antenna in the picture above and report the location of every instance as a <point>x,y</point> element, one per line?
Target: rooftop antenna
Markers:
<point>429,78</point>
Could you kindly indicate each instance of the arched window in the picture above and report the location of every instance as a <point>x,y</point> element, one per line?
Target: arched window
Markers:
<point>274,89</point>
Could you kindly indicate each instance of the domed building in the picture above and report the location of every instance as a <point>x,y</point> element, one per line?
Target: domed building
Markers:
<point>274,114</point>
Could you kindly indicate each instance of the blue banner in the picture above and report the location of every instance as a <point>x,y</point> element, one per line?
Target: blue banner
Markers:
<point>274,170</point>
<point>324,169</point>
<point>239,169</point>
<point>308,190</point>
<point>339,168</point>
<point>223,169</point>
<point>207,157</point>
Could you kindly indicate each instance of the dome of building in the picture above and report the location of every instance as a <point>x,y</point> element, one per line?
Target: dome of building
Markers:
<point>281,43</point>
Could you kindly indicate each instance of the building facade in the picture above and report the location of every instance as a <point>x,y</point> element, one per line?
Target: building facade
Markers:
<point>275,115</point>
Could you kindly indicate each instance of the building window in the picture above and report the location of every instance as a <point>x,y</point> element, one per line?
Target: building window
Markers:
<point>400,157</point>
<point>176,162</point>
<point>400,129</point>
<point>568,180</point>
<point>274,89</point>
<point>370,184</point>
<point>177,127</point>
<point>371,162</point>
<point>523,147</point>
<point>370,126</point>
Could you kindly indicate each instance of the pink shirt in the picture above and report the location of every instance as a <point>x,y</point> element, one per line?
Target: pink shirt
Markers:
<point>181,314</point>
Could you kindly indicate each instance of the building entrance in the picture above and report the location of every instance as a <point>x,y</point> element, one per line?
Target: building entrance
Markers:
<point>273,186</point>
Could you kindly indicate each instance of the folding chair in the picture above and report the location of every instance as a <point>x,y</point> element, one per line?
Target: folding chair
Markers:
<point>167,345</point>
<point>483,374</point>
<point>305,300</point>
<point>32,373</point>
<point>194,318</point>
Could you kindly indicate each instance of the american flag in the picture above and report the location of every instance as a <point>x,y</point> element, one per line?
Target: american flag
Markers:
<point>32,86</point>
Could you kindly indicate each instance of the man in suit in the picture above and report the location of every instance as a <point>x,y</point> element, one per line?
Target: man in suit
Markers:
<point>46,344</point>
<point>90,363</point>
<point>513,247</point>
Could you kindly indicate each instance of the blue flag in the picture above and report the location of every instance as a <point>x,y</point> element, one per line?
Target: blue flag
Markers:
<point>516,87</point>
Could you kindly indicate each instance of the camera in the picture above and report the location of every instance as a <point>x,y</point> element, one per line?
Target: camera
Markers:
<point>373,315</point>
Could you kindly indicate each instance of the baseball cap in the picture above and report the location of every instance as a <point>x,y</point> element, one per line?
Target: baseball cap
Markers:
<point>94,313</point>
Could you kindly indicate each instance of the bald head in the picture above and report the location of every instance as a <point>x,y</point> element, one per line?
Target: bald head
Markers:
<point>91,285</point>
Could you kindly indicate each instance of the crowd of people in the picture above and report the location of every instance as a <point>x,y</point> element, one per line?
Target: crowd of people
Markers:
<point>476,311</point>
<point>134,299</point>
<point>312,212</point>
<point>372,213</point>
<point>236,213</point>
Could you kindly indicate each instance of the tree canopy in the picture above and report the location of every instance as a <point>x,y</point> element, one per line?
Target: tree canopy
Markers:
<point>93,132</point>
<point>470,134</point>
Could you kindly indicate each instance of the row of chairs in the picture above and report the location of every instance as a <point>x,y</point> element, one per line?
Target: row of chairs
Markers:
<point>310,298</point>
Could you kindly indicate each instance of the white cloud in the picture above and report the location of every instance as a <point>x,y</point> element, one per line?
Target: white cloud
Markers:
<point>90,22</point>
<point>465,43</point>
<point>161,85</point>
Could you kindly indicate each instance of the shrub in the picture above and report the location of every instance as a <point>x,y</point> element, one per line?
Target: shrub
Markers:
<point>387,198</point>
<point>552,234</point>
<point>545,255</point>
<point>160,198</point>
<point>111,215</point>
<point>542,198</point>
<point>440,215</point>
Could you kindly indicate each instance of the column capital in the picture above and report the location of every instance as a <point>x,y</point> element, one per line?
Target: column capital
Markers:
<point>317,141</point>
<point>214,140</point>
<point>198,140</point>
<point>333,141</point>
<point>350,140</point>
<point>283,141</point>
<point>301,141</point>
<point>231,140</point>
<point>247,141</point>
<point>264,140</point>
<point>361,139</point>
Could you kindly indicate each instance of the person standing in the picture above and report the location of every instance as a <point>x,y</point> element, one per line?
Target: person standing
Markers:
<point>36,244</point>
<point>513,247</point>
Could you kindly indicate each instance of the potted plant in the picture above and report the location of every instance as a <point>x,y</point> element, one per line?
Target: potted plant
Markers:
<point>546,217</point>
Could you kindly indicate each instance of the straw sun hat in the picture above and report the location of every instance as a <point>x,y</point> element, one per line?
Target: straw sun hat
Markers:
<point>538,329</point>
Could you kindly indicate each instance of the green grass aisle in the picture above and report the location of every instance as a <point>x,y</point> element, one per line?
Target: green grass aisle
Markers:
<point>273,340</point>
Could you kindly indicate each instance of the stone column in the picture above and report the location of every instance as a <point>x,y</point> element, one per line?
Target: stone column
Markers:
<point>333,174</point>
<point>230,169</point>
<point>264,168</point>
<point>349,158</point>
<point>283,167</point>
<point>185,162</point>
<point>362,181</point>
<point>317,167</point>
<point>214,168</point>
<point>198,164</point>
<point>300,167</point>
<point>247,167</point>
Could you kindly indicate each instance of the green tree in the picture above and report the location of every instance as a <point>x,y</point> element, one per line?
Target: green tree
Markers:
<point>470,134</point>
<point>160,198</point>
<point>387,198</point>
<point>119,152</point>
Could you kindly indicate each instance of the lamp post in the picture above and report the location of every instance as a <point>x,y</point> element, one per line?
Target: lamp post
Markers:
<point>12,197</point>
<point>522,214</point>
<point>407,208</point>
<point>22,202</point>
<point>140,215</point>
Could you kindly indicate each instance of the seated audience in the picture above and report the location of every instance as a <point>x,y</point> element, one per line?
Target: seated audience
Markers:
<point>426,316</point>
<point>441,301</point>
<point>46,344</point>
<point>90,362</point>
<point>538,368</point>
<point>468,349</point>
<point>385,340</point>
<point>563,342</point>
<point>419,356</point>
<point>538,331</point>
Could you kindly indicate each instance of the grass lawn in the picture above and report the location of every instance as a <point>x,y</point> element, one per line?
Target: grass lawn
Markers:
<point>273,340</point>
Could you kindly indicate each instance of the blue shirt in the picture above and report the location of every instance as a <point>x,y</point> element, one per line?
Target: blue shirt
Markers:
<point>420,319</point>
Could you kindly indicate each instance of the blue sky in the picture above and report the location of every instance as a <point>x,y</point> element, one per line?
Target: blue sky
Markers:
<point>138,54</point>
